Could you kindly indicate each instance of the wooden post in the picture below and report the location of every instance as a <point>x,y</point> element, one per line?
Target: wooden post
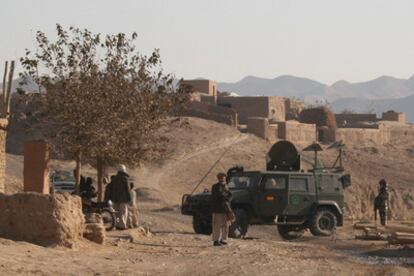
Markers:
<point>3,95</point>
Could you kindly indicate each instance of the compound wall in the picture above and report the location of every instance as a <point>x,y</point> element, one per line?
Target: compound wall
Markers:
<point>355,118</point>
<point>212,112</point>
<point>297,132</point>
<point>261,128</point>
<point>358,136</point>
<point>42,219</point>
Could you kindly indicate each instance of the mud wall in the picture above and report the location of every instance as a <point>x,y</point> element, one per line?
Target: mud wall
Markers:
<point>297,132</point>
<point>355,118</point>
<point>261,128</point>
<point>41,219</point>
<point>357,136</point>
<point>212,112</point>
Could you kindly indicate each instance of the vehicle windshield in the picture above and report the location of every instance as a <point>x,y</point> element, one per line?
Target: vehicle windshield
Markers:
<point>241,182</point>
<point>63,176</point>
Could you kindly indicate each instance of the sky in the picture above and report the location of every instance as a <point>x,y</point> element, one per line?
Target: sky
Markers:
<point>226,40</point>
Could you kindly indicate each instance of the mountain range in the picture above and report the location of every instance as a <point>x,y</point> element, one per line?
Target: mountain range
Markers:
<point>374,96</point>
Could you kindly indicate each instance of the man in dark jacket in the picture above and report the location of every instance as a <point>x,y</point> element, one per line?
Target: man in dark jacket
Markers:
<point>220,207</point>
<point>120,195</point>
<point>381,202</point>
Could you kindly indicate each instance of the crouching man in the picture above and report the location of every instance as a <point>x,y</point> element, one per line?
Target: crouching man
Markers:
<point>221,209</point>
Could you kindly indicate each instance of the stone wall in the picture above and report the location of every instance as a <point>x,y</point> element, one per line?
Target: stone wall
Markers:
<point>265,107</point>
<point>42,219</point>
<point>297,132</point>
<point>212,112</point>
<point>3,135</point>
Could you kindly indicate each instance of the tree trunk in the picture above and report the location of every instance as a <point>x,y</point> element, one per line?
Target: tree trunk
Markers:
<point>9,87</point>
<point>100,169</point>
<point>78,172</point>
<point>3,96</point>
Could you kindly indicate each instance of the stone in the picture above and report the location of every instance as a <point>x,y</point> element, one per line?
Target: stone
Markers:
<point>95,232</point>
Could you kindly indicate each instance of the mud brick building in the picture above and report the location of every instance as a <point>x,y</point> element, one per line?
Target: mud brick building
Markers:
<point>272,108</point>
<point>207,87</point>
<point>391,115</point>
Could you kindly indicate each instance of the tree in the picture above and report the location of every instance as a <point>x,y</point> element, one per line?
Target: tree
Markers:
<point>101,99</point>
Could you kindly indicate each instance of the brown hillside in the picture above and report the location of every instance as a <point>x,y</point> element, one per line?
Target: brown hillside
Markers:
<point>197,144</point>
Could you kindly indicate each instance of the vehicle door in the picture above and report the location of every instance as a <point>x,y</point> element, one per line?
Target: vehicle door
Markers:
<point>301,194</point>
<point>272,195</point>
<point>330,188</point>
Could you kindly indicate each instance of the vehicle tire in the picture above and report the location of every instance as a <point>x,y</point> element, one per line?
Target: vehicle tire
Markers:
<point>323,223</point>
<point>290,232</point>
<point>239,228</point>
<point>108,219</point>
<point>202,225</point>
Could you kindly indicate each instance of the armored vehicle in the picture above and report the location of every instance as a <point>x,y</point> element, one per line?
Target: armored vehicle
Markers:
<point>284,195</point>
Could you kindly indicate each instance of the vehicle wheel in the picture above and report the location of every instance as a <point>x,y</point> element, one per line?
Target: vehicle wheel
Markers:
<point>289,232</point>
<point>323,223</point>
<point>108,219</point>
<point>240,226</point>
<point>202,225</point>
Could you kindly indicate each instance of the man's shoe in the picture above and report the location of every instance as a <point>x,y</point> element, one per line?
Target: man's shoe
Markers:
<point>217,243</point>
<point>223,242</point>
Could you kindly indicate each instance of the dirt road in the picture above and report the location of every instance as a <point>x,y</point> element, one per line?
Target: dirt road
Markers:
<point>175,250</point>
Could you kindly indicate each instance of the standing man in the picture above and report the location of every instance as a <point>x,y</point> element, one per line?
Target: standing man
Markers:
<point>132,208</point>
<point>120,195</point>
<point>381,202</point>
<point>220,206</point>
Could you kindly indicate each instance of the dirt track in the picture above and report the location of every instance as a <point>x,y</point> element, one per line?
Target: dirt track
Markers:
<point>176,250</point>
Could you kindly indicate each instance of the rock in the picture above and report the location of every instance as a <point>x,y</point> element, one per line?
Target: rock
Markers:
<point>93,218</point>
<point>95,232</point>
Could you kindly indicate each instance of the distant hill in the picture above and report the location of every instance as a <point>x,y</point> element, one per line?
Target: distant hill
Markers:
<point>381,88</point>
<point>281,86</point>
<point>29,86</point>
<point>378,95</point>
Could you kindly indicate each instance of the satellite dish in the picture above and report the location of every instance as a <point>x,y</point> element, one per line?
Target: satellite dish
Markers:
<point>283,156</point>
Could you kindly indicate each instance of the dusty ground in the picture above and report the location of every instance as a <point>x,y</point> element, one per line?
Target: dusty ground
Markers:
<point>176,250</point>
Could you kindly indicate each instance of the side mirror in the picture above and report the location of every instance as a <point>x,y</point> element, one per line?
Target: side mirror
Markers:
<point>345,180</point>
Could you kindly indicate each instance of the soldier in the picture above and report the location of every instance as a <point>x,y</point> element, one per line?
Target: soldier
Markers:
<point>220,206</point>
<point>381,202</point>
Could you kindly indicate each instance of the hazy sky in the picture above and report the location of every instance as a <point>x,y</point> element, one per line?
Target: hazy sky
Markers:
<point>225,40</point>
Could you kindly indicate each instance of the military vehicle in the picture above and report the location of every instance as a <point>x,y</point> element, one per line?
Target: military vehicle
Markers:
<point>284,195</point>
